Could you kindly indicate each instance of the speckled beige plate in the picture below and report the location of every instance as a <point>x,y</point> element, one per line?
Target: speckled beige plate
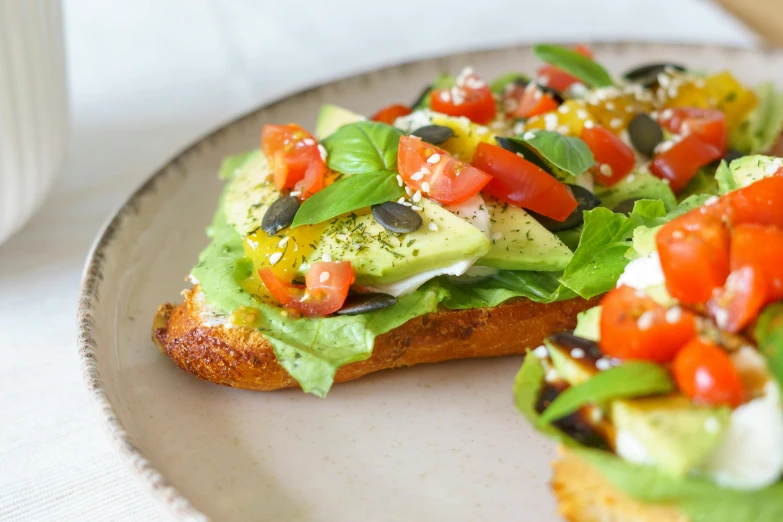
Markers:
<point>439,442</point>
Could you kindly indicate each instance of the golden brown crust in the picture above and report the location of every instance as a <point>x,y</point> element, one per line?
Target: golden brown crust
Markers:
<point>584,495</point>
<point>241,357</point>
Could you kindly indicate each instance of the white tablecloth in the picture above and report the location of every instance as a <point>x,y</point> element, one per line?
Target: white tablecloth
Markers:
<point>149,76</point>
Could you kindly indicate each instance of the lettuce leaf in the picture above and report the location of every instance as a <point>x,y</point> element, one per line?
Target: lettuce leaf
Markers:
<point>769,336</point>
<point>541,287</point>
<point>758,132</point>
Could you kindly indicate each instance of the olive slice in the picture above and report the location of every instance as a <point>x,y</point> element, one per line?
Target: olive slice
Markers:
<point>625,206</point>
<point>569,341</point>
<point>364,303</point>
<point>396,217</point>
<point>434,134</point>
<point>647,75</point>
<point>527,152</point>
<point>279,215</point>
<point>645,134</point>
<point>554,93</point>
<point>585,199</point>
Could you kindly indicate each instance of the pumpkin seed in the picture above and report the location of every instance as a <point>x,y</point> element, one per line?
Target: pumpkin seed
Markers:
<point>585,199</point>
<point>279,215</point>
<point>434,134</point>
<point>647,75</point>
<point>625,206</point>
<point>364,303</point>
<point>397,218</point>
<point>645,134</point>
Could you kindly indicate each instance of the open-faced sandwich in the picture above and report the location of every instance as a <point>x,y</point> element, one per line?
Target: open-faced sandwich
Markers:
<point>667,396</point>
<point>473,223</point>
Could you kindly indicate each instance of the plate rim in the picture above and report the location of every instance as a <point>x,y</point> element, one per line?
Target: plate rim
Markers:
<point>92,275</point>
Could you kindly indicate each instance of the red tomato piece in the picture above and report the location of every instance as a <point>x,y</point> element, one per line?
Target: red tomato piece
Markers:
<point>294,158</point>
<point>634,327</point>
<point>613,159</point>
<point>760,203</point>
<point>760,247</point>
<point>705,374</point>
<point>471,97</point>
<point>681,162</point>
<point>436,174</point>
<point>523,184</point>
<point>391,113</point>
<point>708,124</point>
<point>558,79</point>
<point>526,102</point>
<point>694,254</point>
<point>734,306</point>
<point>327,285</point>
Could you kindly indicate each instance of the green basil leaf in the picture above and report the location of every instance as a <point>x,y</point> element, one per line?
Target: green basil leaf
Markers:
<point>575,64</point>
<point>567,153</point>
<point>232,164</point>
<point>347,194</point>
<point>363,147</point>
<point>600,257</point>
<point>769,337</point>
<point>725,179</point>
<point>632,379</point>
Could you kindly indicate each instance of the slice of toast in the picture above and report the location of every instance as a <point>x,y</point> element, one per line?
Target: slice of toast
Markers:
<point>584,495</point>
<point>243,358</point>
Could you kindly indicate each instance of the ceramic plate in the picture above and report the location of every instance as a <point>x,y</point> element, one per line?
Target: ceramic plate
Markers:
<point>434,442</point>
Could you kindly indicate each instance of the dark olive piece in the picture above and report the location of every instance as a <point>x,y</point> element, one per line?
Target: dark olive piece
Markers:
<point>363,303</point>
<point>585,199</point>
<point>555,94</point>
<point>396,217</point>
<point>647,75</point>
<point>625,206</point>
<point>569,341</point>
<point>434,134</point>
<point>279,215</point>
<point>518,146</point>
<point>645,134</point>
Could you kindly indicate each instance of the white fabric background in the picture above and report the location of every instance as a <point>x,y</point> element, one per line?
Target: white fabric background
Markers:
<point>149,76</point>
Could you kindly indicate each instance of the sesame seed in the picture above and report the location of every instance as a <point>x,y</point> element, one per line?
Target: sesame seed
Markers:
<point>667,114</point>
<point>275,258</point>
<point>416,207</point>
<point>605,169</point>
<point>497,235</point>
<point>401,201</point>
<point>664,146</point>
<point>425,187</point>
<point>596,415</point>
<point>663,80</point>
<point>550,121</point>
<point>666,181</point>
<point>528,135</point>
<point>677,234</point>
<point>616,123</point>
<point>672,91</point>
<point>589,124</point>
<point>563,129</point>
<point>630,178</point>
<point>711,425</point>
<point>541,352</point>
<point>519,127</point>
<point>629,109</point>
<point>481,130</point>
<point>563,109</point>
<point>537,95</point>
<point>610,106</point>
<point>520,154</point>
<point>603,364</point>
<point>417,196</point>
<point>408,191</point>
<point>399,180</point>
<point>543,79</point>
<point>417,176</point>
<point>308,141</point>
<point>324,277</point>
<point>433,226</point>
<point>551,375</point>
<point>577,353</point>
<point>582,114</point>
<point>327,258</point>
<point>444,96</point>
<point>322,151</point>
<point>711,200</point>
<point>645,320</point>
<point>282,242</point>
<point>510,105</point>
<point>305,297</point>
<point>425,170</point>
<point>296,193</point>
<point>673,314</point>
<point>771,169</point>
<point>432,160</point>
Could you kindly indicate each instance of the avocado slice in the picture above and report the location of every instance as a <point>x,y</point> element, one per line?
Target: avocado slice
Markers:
<point>677,434</point>
<point>636,185</point>
<point>331,117</point>
<point>566,366</point>
<point>519,242</point>
<point>588,324</point>
<point>749,169</point>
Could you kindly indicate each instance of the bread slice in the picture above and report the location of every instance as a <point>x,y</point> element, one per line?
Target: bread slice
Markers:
<point>584,495</point>
<point>241,357</point>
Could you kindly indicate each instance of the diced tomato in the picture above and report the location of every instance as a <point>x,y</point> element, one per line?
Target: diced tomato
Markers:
<point>558,79</point>
<point>705,374</point>
<point>760,203</point>
<point>613,159</point>
<point>708,124</point>
<point>471,97</point>
<point>294,158</point>
<point>326,287</point>
<point>634,327</point>
<point>529,101</point>
<point>523,184</point>
<point>436,174</point>
<point>760,247</point>
<point>694,254</point>
<point>736,304</point>
<point>681,162</point>
<point>391,113</point>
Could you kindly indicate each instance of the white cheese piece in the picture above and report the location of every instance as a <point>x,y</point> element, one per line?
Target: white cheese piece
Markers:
<point>208,316</point>
<point>632,449</point>
<point>412,283</point>
<point>475,212</point>
<point>414,120</point>
<point>643,273</point>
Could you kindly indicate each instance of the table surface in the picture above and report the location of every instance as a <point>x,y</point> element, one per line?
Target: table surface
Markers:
<point>149,77</point>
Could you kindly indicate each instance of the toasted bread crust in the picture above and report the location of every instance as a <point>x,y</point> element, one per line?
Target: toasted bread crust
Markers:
<point>241,357</point>
<point>584,495</point>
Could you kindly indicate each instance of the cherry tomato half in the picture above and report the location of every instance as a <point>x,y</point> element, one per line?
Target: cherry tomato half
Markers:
<point>613,159</point>
<point>736,304</point>
<point>634,327</point>
<point>681,162</point>
<point>294,158</point>
<point>326,287</point>
<point>436,174</point>
<point>471,97</point>
<point>708,124</point>
<point>391,113</point>
<point>760,203</point>
<point>523,184</point>
<point>760,247</point>
<point>705,374</point>
<point>527,101</point>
